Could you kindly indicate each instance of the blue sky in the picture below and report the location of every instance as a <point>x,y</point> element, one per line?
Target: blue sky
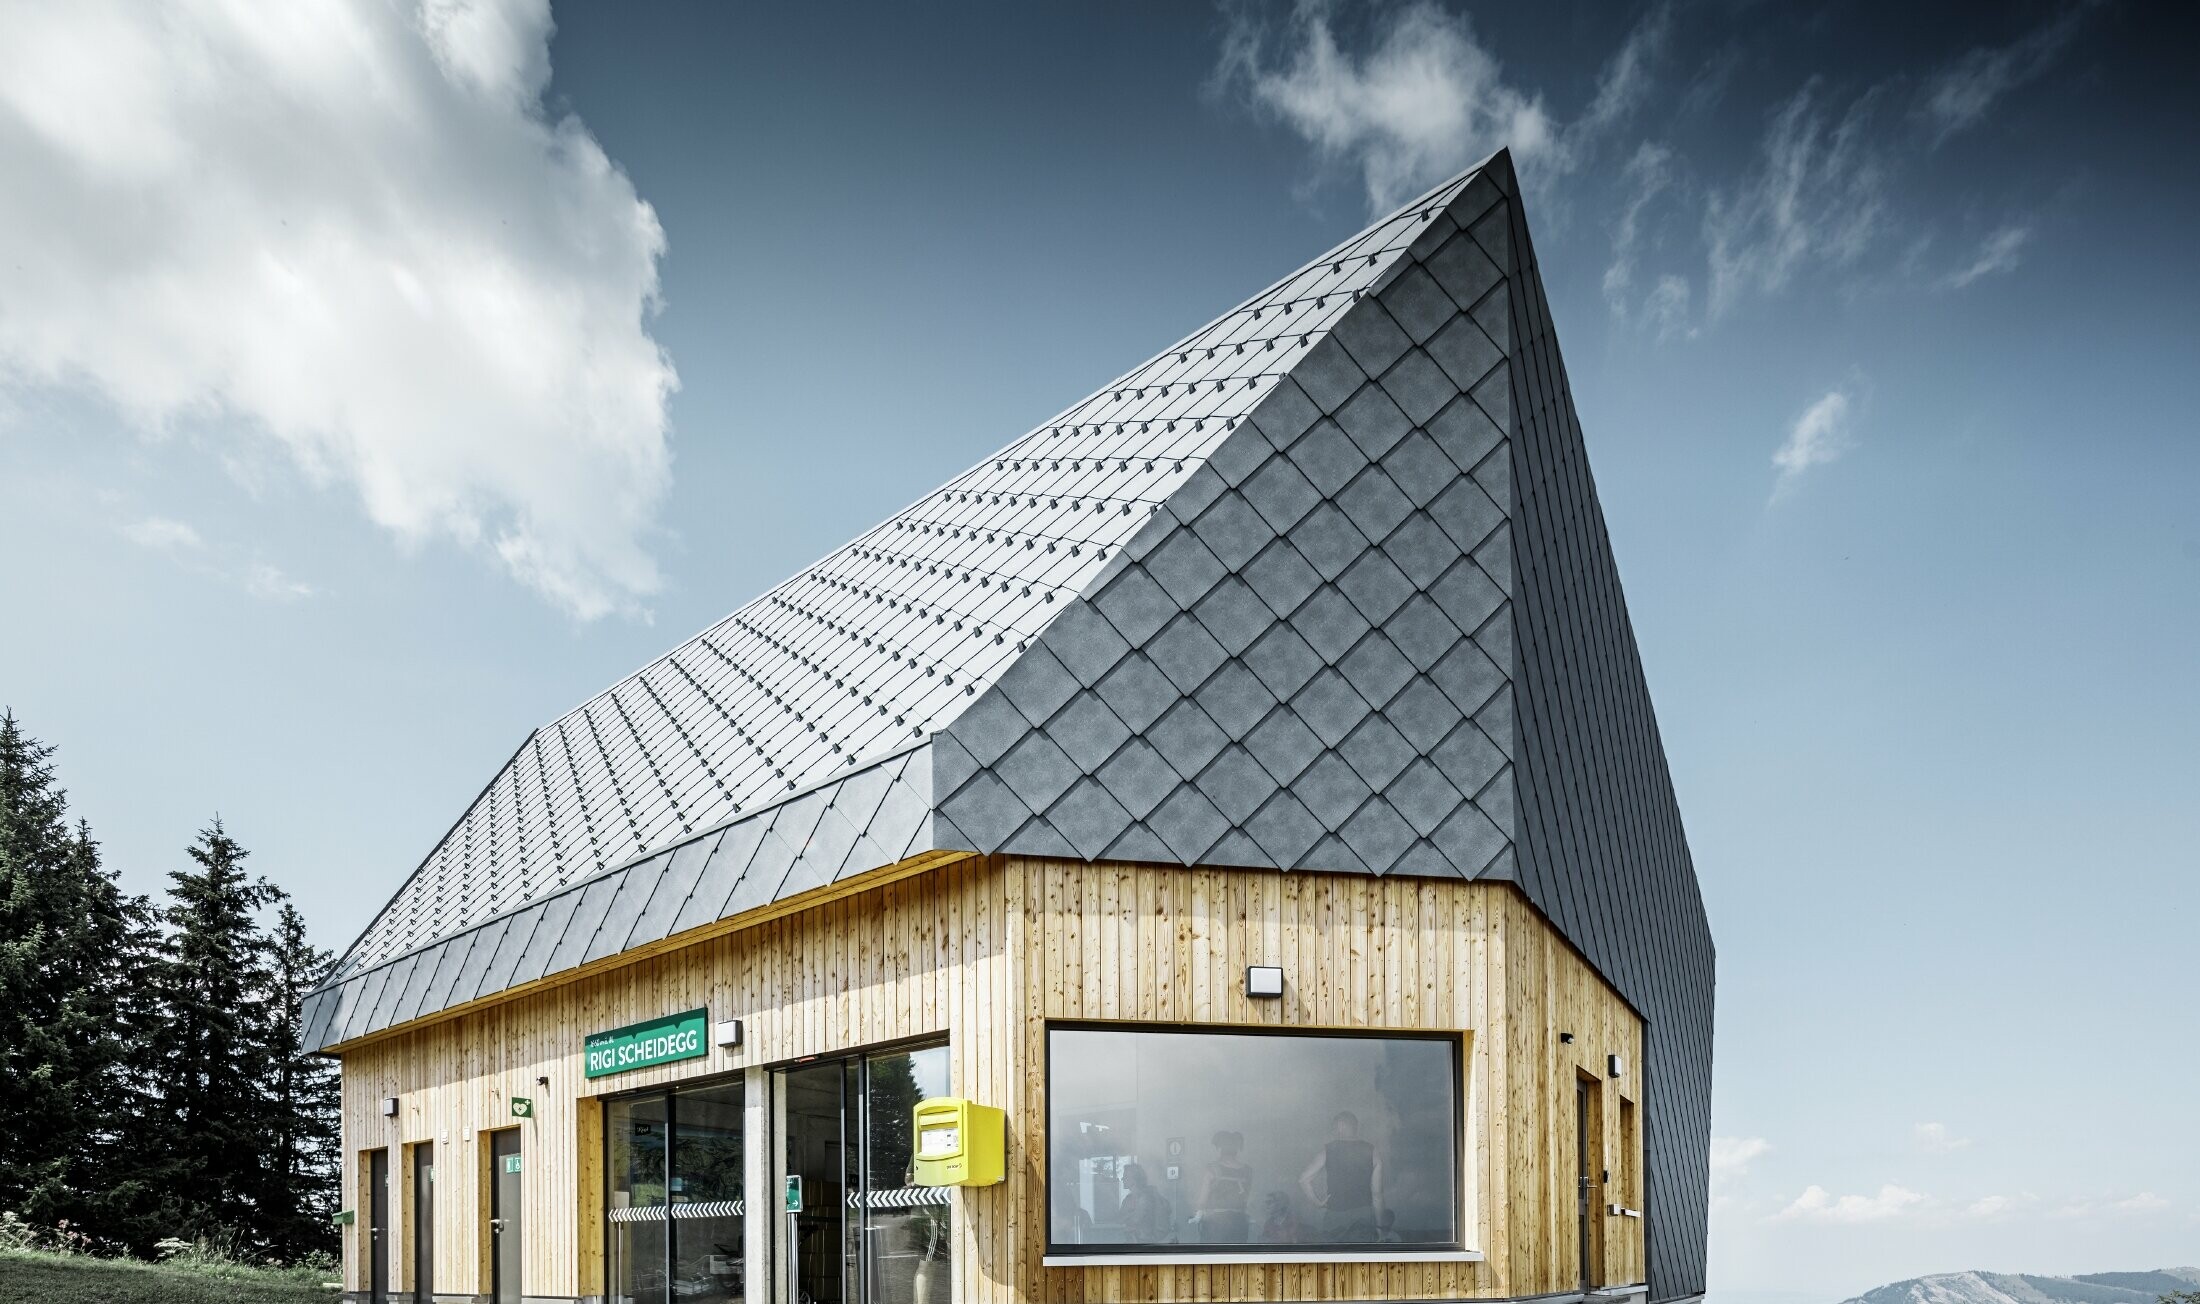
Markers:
<point>371,392</point>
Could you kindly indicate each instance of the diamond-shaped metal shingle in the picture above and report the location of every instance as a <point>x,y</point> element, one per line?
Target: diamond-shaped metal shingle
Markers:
<point>1330,623</point>
<point>1088,731</point>
<point>1417,303</point>
<point>1419,387</point>
<point>1281,576</point>
<point>1138,777</point>
<point>1186,738</point>
<point>1376,587</point>
<point>1233,530</point>
<point>1137,692</point>
<point>1281,493</point>
<point>1184,567</point>
<point>1089,817</point>
<point>1328,458</point>
<point>1372,338</point>
<point>1373,420</point>
<point>1282,660</point>
<point>1186,652</point>
<point>1235,699</point>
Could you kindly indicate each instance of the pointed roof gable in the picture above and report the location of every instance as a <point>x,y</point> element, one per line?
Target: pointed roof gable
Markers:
<point>886,641</point>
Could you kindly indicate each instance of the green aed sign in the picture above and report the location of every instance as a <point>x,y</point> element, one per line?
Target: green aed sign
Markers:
<point>639,1045</point>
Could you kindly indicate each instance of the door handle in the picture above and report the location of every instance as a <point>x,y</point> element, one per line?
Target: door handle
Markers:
<point>496,1226</point>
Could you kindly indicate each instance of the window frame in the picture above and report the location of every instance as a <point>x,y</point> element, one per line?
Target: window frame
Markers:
<point>1465,1201</point>
<point>667,1092</point>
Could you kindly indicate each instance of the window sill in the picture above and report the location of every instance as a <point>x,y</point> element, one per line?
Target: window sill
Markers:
<point>1193,1258</point>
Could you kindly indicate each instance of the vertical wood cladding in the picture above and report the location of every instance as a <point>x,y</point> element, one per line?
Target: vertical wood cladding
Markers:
<point>985,951</point>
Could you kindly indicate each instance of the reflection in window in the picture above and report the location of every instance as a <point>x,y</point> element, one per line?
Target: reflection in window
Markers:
<point>909,1228</point>
<point>635,1133</point>
<point>673,1200</point>
<point>1242,1140</point>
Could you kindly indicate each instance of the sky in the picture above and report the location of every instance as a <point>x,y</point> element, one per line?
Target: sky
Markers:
<point>376,383</point>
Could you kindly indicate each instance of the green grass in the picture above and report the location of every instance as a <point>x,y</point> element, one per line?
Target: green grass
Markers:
<point>34,1277</point>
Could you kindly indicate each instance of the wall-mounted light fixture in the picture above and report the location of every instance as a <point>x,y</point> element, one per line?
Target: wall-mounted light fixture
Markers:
<point>729,1032</point>
<point>389,1107</point>
<point>1615,1066</point>
<point>1565,1039</point>
<point>1263,981</point>
<point>542,1082</point>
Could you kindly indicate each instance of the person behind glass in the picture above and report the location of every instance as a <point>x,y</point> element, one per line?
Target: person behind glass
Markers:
<point>1144,1211</point>
<point>1352,1186</point>
<point>1226,1193</point>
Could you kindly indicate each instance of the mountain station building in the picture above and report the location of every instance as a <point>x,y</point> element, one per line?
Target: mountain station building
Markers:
<point>1218,848</point>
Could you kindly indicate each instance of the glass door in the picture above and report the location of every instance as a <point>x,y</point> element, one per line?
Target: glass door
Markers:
<point>907,1237</point>
<point>854,1228</point>
<point>673,1212</point>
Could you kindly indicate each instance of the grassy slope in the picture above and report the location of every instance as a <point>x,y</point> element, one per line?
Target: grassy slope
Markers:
<point>28,1278</point>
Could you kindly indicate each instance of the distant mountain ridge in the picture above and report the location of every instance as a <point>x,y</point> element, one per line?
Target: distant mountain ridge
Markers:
<point>2025,1288</point>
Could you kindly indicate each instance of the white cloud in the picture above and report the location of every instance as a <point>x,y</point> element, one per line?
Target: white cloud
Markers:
<point>1665,308</point>
<point>1648,174</point>
<point>163,535</point>
<point>2000,253</point>
<point>1959,95</point>
<point>2143,1202</point>
<point>1989,1206</point>
<point>1818,1205</point>
<point>1937,1138</point>
<point>1425,100</point>
<point>1817,195</point>
<point>181,543</point>
<point>1625,82</point>
<point>1731,1156</point>
<point>355,234</point>
<point>1819,436</point>
<point>264,581</point>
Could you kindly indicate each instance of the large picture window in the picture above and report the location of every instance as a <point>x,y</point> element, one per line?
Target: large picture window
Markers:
<point>1251,1141</point>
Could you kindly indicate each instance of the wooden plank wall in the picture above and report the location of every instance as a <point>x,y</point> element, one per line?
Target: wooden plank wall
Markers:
<point>986,951</point>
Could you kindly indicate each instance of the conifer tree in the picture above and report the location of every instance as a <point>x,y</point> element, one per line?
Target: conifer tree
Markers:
<point>209,1043</point>
<point>66,930</point>
<point>302,1162</point>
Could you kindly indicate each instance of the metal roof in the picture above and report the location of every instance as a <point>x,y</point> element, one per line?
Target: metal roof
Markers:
<point>883,642</point>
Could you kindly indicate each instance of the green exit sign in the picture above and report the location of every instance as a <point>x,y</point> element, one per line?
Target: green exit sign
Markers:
<point>522,1107</point>
<point>792,1199</point>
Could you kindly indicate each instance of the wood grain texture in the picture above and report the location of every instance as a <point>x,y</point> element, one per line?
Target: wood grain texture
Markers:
<point>986,951</point>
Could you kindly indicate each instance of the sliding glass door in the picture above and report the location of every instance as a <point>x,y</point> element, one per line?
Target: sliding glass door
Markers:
<point>855,1229</point>
<point>674,1208</point>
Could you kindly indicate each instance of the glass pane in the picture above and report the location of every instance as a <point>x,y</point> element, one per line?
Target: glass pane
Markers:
<point>907,1228</point>
<point>812,1242</point>
<point>634,1213</point>
<point>706,1195</point>
<point>1239,1140</point>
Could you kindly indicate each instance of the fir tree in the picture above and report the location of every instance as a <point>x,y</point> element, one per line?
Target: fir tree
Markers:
<point>302,1095</point>
<point>208,1067</point>
<point>66,931</point>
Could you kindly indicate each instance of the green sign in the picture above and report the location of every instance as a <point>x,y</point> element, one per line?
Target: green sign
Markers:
<point>345,1218</point>
<point>793,1197</point>
<point>522,1107</point>
<point>511,1163</point>
<point>639,1045</point>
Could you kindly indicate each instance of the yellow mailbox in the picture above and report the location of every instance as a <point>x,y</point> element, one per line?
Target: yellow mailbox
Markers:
<point>960,1144</point>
